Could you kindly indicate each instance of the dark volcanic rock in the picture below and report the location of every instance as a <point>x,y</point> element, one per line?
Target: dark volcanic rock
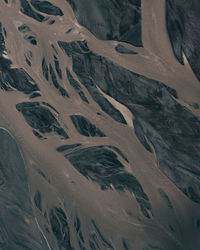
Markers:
<point>19,79</point>
<point>79,47</point>
<point>27,61</point>
<point>165,197</point>
<point>183,28</point>
<point>4,65</point>
<point>76,86</point>
<point>175,27</point>
<point>85,127</point>
<point>38,200</point>
<point>171,128</point>
<point>57,67</point>
<point>40,118</point>
<point>37,116</point>
<point>45,69</point>
<point>31,39</point>
<point>4,62</point>
<point>46,7</point>
<point>139,132</point>
<point>34,95</point>
<point>53,77</point>
<point>24,28</point>
<point>60,228</point>
<point>26,9</point>
<point>123,50</point>
<point>38,135</point>
<point>198,224</point>
<point>82,96</point>
<point>51,22</point>
<point>111,20</point>
<point>2,41</point>
<point>118,151</point>
<point>55,82</point>
<point>128,177</point>
<point>99,239</point>
<point>18,227</point>
<point>80,238</point>
<point>74,48</point>
<point>72,81</point>
<point>101,165</point>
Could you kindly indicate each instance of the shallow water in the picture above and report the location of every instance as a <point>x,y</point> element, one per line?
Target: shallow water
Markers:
<point>99,138</point>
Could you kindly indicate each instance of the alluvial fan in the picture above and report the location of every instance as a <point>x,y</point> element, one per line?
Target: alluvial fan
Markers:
<point>99,125</point>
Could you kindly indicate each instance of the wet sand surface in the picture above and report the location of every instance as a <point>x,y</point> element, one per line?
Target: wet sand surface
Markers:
<point>100,128</point>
